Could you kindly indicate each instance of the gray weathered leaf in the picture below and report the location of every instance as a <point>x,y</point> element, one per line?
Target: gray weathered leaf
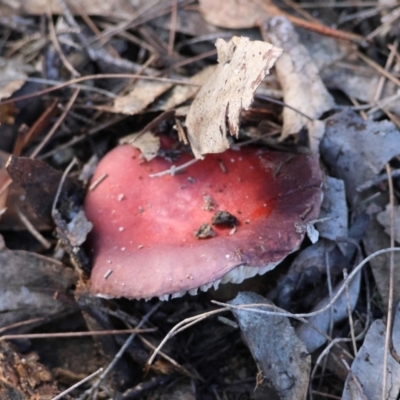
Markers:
<point>367,368</point>
<point>299,77</point>
<point>356,150</point>
<point>313,339</point>
<point>279,354</point>
<point>28,284</point>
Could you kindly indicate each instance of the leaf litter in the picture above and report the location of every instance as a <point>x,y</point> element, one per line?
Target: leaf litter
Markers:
<point>332,92</point>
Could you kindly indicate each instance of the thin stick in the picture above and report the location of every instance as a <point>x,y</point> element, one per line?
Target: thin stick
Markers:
<point>376,66</point>
<point>388,63</point>
<point>61,184</point>
<point>378,179</point>
<point>98,181</point>
<point>356,381</point>
<point>86,88</point>
<point>281,103</point>
<point>172,29</point>
<point>56,44</point>
<point>183,325</point>
<point>33,231</point>
<point>226,307</point>
<point>349,312</point>
<point>173,170</point>
<point>121,351</point>
<point>171,360</point>
<point>99,76</point>
<point>284,313</point>
<point>73,387</point>
<point>391,286</point>
<point>22,323</point>
<point>56,125</point>
<point>75,334</point>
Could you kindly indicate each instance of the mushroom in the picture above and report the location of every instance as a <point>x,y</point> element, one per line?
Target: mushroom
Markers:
<point>144,241</point>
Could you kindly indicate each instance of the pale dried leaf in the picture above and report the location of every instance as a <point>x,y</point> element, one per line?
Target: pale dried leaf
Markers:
<point>384,219</point>
<point>181,93</point>
<point>189,22</point>
<point>368,365</point>
<point>13,76</point>
<point>280,355</point>
<point>143,94</point>
<point>147,143</point>
<point>316,131</point>
<point>299,77</point>
<point>234,14</point>
<point>242,65</point>
<point>116,8</point>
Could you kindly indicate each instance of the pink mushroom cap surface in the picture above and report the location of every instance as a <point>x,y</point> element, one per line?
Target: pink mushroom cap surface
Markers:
<point>143,242</point>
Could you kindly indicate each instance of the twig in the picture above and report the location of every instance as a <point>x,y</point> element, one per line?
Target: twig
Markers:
<point>349,313</point>
<point>86,88</point>
<point>172,29</point>
<point>98,76</point>
<point>388,63</point>
<point>376,66</point>
<point>312,25</point>
<point>31,228</point>
<point>226,307</point>
<point>73,387</point>
<point>97,129</point>
<point>389,319</point>
<point>173,170</point>
<point>56,125</point>
<point>98,181</point>
<point>171,360</point>
<point>56,44</point>
<point>22,323</point>
<point>281,103</point>
<point>182,326</point>
<point>75,334</point>
<point>386,20</point>
<point>61,184</point>
<point>121,351</point>
<point>378,179</point>
<point>356,381</point>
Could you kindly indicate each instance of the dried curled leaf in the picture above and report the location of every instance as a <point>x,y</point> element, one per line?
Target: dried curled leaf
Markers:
<point>242,66</point>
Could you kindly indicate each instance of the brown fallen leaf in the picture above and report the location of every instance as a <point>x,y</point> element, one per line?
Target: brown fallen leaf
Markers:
<point>40,182</point>
<point>242,65</point>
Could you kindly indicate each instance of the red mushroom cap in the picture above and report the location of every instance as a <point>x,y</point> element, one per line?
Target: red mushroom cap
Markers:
<point>144,244</point>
